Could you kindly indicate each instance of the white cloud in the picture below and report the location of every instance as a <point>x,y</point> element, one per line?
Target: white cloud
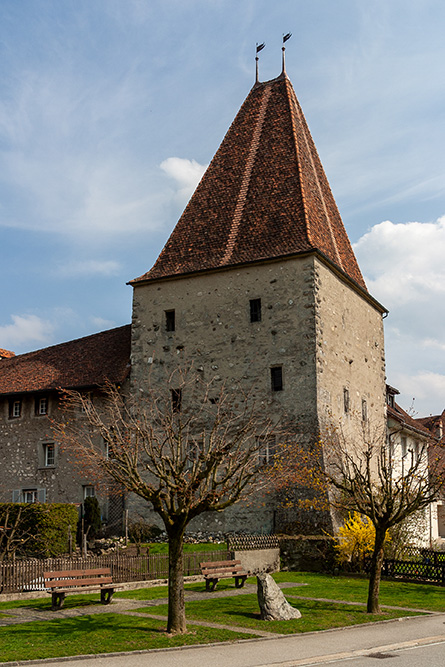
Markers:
<point>187,174</point>
<point>25,330</point>
<point>102,324</point>
<point>404,263</point>
<point>421,389</point>
<point>85,268</point>
<point>404,269</point>
<point>67,160</point>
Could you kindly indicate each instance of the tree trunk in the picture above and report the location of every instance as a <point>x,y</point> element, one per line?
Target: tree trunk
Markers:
<point>373,606</point>
<point>176,604</point>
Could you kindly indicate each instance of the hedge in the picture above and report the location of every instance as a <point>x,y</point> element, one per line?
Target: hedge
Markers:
<point>47,523</point>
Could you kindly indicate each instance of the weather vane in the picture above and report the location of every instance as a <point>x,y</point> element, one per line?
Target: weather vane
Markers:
<point>259,47</point>
<point>287,36</point>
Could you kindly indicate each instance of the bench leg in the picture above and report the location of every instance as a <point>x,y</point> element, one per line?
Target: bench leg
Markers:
<point>240,581</point>
<point>106,595</point>
<point>211,584</point>
<point>57,600</point>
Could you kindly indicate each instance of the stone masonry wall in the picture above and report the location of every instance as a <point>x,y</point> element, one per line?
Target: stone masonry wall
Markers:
<point>350,353</point>
<point>22,455</point>
<point>323,333</point>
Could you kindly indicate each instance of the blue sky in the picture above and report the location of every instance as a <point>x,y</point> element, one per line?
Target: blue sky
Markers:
<point>111,109</point>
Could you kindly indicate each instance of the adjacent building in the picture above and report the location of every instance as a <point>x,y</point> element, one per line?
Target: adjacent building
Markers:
<point>33,467</point>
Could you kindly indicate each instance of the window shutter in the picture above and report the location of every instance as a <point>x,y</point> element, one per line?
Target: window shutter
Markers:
<point>41,495</point>
<point>16,496</point>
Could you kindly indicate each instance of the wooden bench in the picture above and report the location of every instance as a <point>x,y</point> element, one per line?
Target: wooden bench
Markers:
<point>223,569</point>
<point>61,582</point>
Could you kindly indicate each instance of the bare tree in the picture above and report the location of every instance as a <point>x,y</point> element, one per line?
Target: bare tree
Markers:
<point>182,457</point>
<point>363,473</point>
<point>14,533</point>
<point>372,478</point>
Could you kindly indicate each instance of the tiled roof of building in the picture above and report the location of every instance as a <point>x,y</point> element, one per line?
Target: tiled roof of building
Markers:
<point>264,195</point>
<point>6,354</point>
<point>435,423</point>
<point>405,419</point>
<point>85,362</point>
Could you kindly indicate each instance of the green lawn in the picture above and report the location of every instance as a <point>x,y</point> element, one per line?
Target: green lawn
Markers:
<point>355,589</point>
<point>162,547</point>
<point>243,611</point>
<point>113,632</point>
<point>98,633</point>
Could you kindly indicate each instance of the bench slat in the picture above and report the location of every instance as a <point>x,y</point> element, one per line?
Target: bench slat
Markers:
<point>212,571</point>
<point>83,589</point>
<point>225,576</point>
<point>220,563</point>
<point>78,583</point>
<point>76,573</point>
<point>234,570</point>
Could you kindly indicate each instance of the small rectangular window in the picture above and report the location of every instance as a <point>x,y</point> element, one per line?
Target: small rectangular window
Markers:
<point>88,402</point>
<point>276,377</point>
<point>193,450</point>
<point>392,446</point>
<point>415,451</point>
<point>403,442</point>
<point>266,449</point>
<point>89,491</point>
<point>346,403</point>
<point>176,400</point>
<point>29,495</point>
<point>42,405</point>
<point>49,454</point>
<point>15,409</point>
<point>255,310</point>
<point>364,410</point>
<point>170,320</point>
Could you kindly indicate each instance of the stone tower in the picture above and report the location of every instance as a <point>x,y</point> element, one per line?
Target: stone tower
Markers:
<point>258,282</point>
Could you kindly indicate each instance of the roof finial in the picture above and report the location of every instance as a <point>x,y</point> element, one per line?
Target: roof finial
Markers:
<point>259,47</point>
<point>283,49</point>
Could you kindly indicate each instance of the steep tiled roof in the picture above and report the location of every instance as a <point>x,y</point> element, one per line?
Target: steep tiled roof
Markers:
<point>264,195</point>
<point>6,354</point>
<point>84,362</point>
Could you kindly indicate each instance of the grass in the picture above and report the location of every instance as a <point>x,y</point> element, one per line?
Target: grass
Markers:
<point>44,604</point>
<point>355,589</point>
<point>162,547</point>
<point>98,633</point>
<point>242,611</point>
<point>113,632</point>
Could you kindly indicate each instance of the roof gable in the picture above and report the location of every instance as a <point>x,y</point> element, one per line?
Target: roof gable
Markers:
<point>406,421</point>
<point>264,195</point>
<point>85,362</point>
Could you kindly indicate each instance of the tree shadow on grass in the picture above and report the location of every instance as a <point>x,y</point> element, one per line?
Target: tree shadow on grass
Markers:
<point>60,628</point>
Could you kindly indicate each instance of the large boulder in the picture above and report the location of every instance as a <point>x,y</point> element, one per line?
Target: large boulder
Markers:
<point>273,604</point>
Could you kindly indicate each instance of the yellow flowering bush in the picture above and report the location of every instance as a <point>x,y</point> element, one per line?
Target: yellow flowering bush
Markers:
<point>355,541</point>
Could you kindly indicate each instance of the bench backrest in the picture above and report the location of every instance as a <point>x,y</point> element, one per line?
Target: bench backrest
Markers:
<point>222,568</point>
<point>219,564</point>
<point>77,578</point>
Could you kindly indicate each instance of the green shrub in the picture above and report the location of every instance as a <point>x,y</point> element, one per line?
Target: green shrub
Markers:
<point>140,532</point>
<point>44,527</point>
<point>91,517</point>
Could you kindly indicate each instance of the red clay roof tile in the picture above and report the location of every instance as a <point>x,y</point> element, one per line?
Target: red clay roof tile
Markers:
<point>404,418</point>
<point>85,362</point>
<point>264,195</point>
